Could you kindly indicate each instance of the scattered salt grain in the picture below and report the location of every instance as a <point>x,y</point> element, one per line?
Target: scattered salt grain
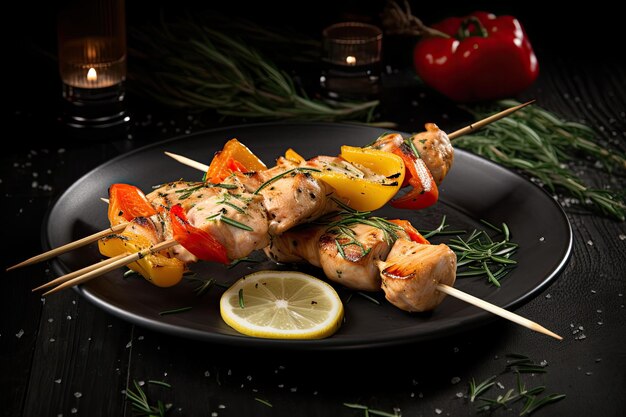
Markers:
<point>590,243</point>
<point>455,380</point>
<point>214,414</point>
<point>548,296</point>
<point>543,363</point>
<point>221,406</point>
<point>589,373</point>
<point>78,394</point>
<point>52,340</point>
<point>129,344</point>
<point>281,385</point>
<point>499,384</point>
<point>294,389</point>
<point>69,317</point>
<point>19,334</point>
<point>438,410</point>
<point>61,150</point>
<point>600,323</point>
<point>74,410</point>
<point>207,374</point>
<point>57,381</point>
<point>622,236</point>
<point>140,338</point>
<point>459,395</point>
<point>141,383</point>
<point>50,320</point>
<point>541,239</point>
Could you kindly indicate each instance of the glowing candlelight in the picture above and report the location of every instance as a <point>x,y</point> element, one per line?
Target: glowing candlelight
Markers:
<point>92,75</point>
<point>351,60</point>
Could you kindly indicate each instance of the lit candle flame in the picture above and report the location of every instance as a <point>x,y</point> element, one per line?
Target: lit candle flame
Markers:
<point>350,60</point>
<point>92,75</point>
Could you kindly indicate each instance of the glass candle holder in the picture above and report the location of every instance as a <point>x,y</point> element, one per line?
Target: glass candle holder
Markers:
<point>92,62</point>
<point>352,60</point>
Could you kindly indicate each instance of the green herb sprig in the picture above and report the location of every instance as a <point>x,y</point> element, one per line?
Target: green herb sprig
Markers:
<point>538,143</point>
<point>533,401</point>
<point>370,411</point>
<point>190,64</point>
<point>478,254</point>
<point>141,405</point>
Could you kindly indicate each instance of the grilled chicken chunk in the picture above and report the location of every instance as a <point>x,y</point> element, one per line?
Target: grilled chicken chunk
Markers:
<point>355,268</point>
<point>412,271</point>
<point>291,197</point>
<point>436,150</point>
<point>233,216</point>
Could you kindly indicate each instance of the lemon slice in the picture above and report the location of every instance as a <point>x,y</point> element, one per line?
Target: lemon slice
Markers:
<point>282,305</point>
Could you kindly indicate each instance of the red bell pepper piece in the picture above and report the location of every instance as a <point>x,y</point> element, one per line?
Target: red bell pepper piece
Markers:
<point>200,243</point>
<point>484,58</point>
<point>127,202</point>
<point>413,233</point>
<point>424,192</point>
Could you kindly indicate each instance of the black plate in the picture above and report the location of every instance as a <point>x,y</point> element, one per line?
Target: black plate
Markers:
<point>475,189</point>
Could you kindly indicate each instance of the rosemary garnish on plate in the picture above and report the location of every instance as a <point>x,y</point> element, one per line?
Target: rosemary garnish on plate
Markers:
<point>478,253</point>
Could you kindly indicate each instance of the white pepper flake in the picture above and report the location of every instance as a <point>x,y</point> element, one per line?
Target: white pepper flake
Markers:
<point>19,334</point>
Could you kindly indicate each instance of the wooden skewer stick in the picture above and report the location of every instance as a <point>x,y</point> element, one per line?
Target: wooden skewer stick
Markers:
<point>189,162</point>
<point>75,274</point>
<point>496,310</point>
<point>124,260</point>
<point>69,246</point>
<point>481,123</point>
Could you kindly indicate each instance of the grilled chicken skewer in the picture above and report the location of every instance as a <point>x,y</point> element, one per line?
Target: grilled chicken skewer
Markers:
<point>370,254</point>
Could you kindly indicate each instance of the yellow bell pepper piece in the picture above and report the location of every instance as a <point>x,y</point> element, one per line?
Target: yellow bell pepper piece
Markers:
<point>156,268</point>
<point>377,180</point>
<point>293,156</point>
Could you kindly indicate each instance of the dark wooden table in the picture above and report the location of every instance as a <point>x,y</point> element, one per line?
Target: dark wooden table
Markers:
<point>63,356</point>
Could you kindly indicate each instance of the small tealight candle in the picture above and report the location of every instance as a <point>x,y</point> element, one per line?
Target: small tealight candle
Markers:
<point>92,62</point>
<point>352,54</point>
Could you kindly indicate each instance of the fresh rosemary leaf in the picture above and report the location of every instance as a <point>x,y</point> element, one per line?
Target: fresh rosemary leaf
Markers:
<point>369,411</point>
<point>533,403</point>
<point>241,302</point>
<point>476,390</point>
<point>140,404</point>
<point>541,145</point>
<point>236,224</point>
<point>368,297</point>
<point>282,174</point>
<point>174,311</point>
<point>264,402</point>
<point>161,383</point>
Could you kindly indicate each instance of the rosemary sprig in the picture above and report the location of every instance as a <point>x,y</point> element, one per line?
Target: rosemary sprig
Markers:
<point>370,411</point>
<point>188,63</point>
<point>140,404</point>
<point>174,311</point>
<point>477,253</point>
<point>533,401</point>
<point>539,144</point>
